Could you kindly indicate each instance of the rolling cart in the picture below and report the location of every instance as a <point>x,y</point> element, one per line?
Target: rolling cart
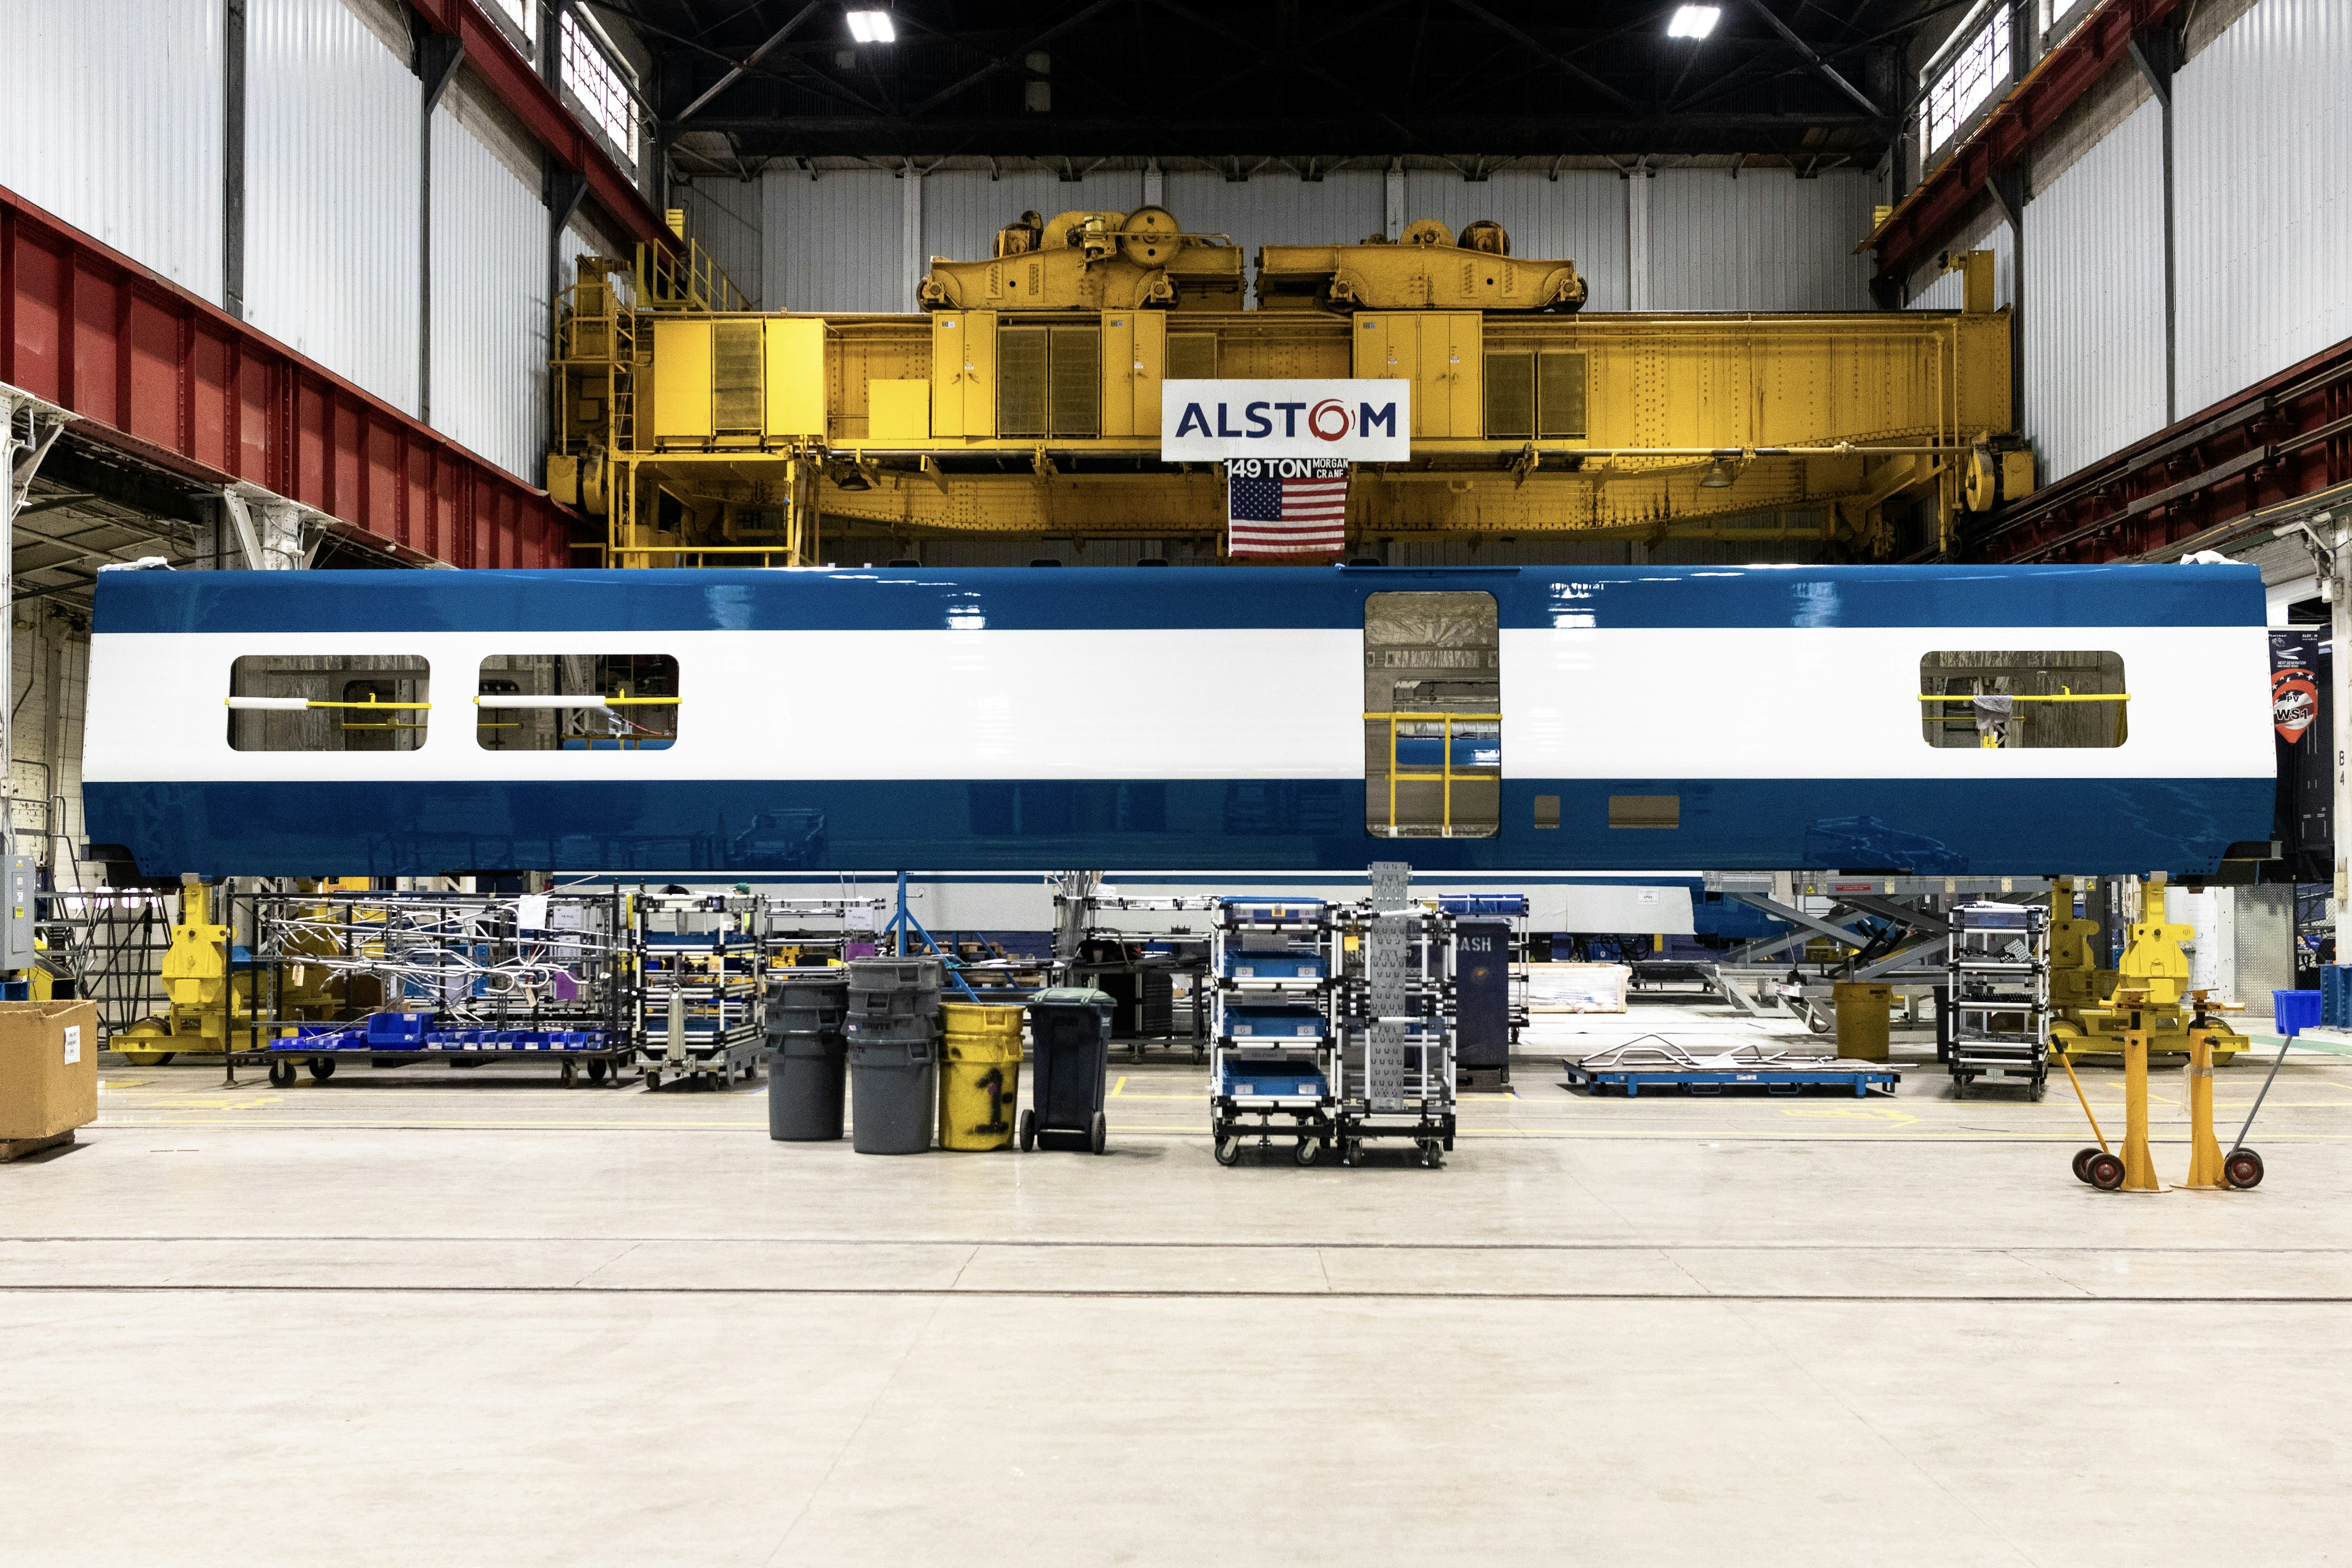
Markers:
<point>697,996</point>
<point>1998,1004</point>
<point>1393,1013</point>
<point>1270,1059</point>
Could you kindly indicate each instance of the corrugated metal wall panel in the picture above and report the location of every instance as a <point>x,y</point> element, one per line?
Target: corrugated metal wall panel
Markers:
<point>331,172</point>
<point>833,243</point>
<point>723,216</point>
<point>111,118</point>
<point>2095,325</point>
<point>1765,241</point>
<point>2262,197</point>
<point>1579,216</point>
<point>1278,209</point>
<point>963,208</point>
<point>489,306</point>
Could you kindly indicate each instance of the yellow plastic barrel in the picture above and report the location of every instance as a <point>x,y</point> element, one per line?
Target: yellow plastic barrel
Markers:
<point>1862,1012</point>
<point>979,1075</point>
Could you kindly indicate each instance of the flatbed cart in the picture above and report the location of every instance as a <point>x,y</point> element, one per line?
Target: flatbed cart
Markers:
<point>591,1056</point>
<point>1654,1062</point>
<point>1270,1059</point>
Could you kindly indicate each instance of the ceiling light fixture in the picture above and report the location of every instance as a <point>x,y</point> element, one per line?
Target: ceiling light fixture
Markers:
<point>1689,21</point>
<point>1717,478</point>
<point>874,26</point>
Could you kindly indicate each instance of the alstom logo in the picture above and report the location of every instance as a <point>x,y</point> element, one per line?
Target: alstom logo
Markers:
<point>1360,421</point>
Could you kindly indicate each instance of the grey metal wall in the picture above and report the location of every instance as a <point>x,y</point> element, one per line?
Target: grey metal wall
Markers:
<point>489,302</point>
<point>1945,293</point>
<point>111,118</point>
<point>331,193</point>
<point>832,243</point>
<point>1765,241</point>
<point>963,208</point>
<point>1277,208</point>
<point>2262,194</point>
<point>2095,300</point>
<point>723,216</point>
<point>1579,217</point>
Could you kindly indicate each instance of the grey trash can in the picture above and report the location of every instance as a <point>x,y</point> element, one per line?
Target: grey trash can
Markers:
<point>893,1090</point>
<point>806,1075</point>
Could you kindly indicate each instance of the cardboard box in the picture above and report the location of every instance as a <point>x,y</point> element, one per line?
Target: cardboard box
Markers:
<point>48,1067</point>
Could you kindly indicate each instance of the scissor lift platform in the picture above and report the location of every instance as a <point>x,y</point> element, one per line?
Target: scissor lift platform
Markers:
<point>1654,1062</point>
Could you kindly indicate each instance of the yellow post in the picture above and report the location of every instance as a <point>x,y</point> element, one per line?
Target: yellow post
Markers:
<point>2140,1165</point>
<point>2204,1149</point>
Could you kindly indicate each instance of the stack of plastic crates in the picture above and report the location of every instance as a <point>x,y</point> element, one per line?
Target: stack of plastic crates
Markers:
<point>1997,968</point>
<point>1270,1053</point>
<point>1394,1011</point>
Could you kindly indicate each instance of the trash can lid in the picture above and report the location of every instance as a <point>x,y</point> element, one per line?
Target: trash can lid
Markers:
<point>1073,996</point>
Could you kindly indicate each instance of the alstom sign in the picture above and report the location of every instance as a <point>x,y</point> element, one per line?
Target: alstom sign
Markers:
<point>1347,421</point>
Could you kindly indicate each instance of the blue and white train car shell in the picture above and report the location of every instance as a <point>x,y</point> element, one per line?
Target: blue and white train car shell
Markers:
<point>1212,719</point>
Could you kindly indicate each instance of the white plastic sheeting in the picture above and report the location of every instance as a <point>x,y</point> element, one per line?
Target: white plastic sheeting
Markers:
<point>331,170</point>
<point>489,306</point>
<point>2095,300</point>
<point>833,243</point>
<point>1765,241</point>
<point>111,116</point>
<point>2262,194</point>
<point>722,216</point>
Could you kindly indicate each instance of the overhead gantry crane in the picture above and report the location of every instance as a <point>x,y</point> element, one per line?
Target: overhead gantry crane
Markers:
<point>1024,399</point>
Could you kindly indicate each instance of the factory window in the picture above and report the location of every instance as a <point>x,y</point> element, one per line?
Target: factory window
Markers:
<point>605,87</point>
<point>1432,716</point>
<point>1966,75</point>
<point>1533,395</point>
<point>1049,381</point>
<point>577,702</point>
<point>2003,701</point>
<point>327,702</point>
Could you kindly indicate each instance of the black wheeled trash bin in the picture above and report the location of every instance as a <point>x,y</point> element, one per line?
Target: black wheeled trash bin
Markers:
<point>1070,1033</point>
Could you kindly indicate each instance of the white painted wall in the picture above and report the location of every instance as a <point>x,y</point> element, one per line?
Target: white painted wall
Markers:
<point>489,302</point>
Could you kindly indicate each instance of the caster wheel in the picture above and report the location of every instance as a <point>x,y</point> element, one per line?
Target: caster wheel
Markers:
<point>653,1081</point>
<point>2104,1171</point>
<point>1097,1133</point>
<point>1028,1130</point>
<point>321,1069</point>
<point>2083,1158</point>
<point>1306,1151</point>
<point>1228,1150</point>
<point>596,1072</point>
<point>2243,1168</point>
<point>281,1074</point>
<point>568,1074</point>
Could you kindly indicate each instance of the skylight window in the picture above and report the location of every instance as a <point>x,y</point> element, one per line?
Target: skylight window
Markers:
<point>604,86</point>
<point>1974,72</point>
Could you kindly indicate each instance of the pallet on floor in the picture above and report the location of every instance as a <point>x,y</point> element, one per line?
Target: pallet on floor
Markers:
<point>1655,1063</point>
<point>17,1148</point>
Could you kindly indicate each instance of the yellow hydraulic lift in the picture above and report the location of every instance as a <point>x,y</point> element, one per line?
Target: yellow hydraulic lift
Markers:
<point>1023,400</point>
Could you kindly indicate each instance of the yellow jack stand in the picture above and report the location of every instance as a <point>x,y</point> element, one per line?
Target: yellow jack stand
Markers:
<point>2140,1165</point>
<point>2204,1149</point>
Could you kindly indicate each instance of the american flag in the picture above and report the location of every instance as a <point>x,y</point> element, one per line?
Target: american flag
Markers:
<point>1286,507</point>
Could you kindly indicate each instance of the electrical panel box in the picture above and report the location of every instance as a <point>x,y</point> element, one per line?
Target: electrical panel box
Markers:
<point>17,915</point>
<point>682,371</point>
<point>963,373</point>
<point>1134,360</point>
<point>794,356</point>
<point>1442,353</point>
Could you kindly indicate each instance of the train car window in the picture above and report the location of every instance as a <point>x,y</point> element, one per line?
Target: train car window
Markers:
<point>1432,716</point>
<point>2051,700</point>
<point>576,702</point>
<point>327,702</point>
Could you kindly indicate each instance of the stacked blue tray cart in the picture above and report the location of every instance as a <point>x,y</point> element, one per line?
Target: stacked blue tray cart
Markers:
<point>700,959</point>
<point>1270,1058</point>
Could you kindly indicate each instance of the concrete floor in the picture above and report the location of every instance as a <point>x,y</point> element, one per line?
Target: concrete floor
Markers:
<point>400,1319</point>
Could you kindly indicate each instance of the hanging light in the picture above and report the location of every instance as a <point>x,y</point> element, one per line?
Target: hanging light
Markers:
<point>1718,476</point>
<point>1689,21</point>
<point>851,477</point>
<point>872,28</point>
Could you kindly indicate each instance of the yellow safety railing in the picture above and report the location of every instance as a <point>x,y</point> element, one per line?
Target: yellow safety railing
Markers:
<point>2061,695</point>
<point>690,281</point>
<point>1446,775</point>
<point>275,705</point>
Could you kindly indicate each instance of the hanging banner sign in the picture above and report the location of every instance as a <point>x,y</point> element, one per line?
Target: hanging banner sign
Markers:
<point>2295,683</point>
<point>1285,506</point>
<point>1338,421</point>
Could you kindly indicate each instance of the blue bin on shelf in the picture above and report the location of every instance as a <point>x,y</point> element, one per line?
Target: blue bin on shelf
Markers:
<point>398,1030</point>
<point>2335,997</point>
<point>2294,1010</point>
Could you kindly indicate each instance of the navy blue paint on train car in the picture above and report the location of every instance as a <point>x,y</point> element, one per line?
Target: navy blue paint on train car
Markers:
<point>1230,598</point>
<point>1925,826</point>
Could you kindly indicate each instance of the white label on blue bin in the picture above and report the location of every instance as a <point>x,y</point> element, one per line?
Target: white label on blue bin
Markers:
<point>1243,971</point>
<point>1245,1088</point>
<point>73,1044</point>
<point>1241,1028</point>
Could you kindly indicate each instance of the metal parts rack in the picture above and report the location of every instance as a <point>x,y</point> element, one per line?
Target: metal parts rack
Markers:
<point>698,995</point>
<point>1394,1015</point>
<point>1271,1057</point>
<point>1999,973</point>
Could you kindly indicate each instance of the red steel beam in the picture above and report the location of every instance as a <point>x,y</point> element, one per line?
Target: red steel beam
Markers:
<point>1927,217</point>
<point>2279,441</point>
<point>540,109</point>
<point>161,376</point>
